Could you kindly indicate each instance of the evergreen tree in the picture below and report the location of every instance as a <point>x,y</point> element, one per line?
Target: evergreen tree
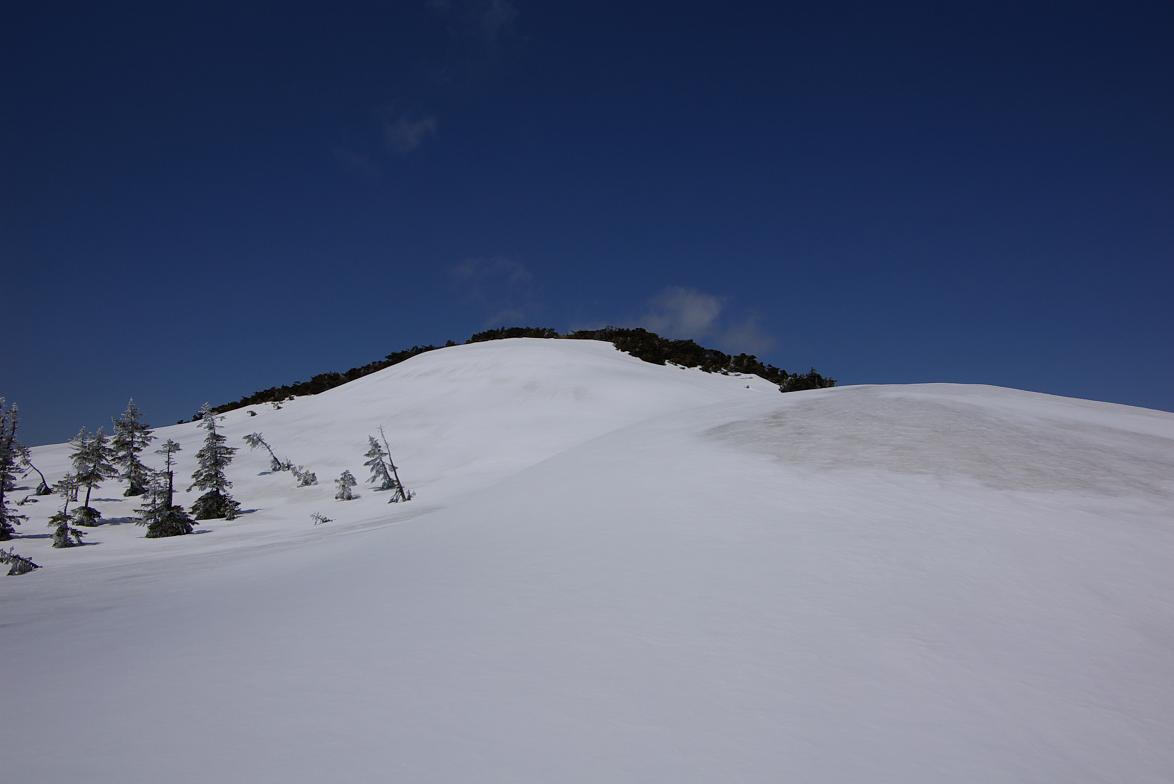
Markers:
<point>162,518</point>
<point>10,453</point>
<point>154,498</point>
<point>304,476</point>
<point>91,465</point>
<point>213,459</point>
<point>159,513</point>
<point>378,465</point>
<point>174,521</point>
<point>131,436</point>
<point>168,451</point>
<point>255,440</point>
<point>17,564</point>
<point>10,448</point>
<point>65,535</point>
<point>345,484</point>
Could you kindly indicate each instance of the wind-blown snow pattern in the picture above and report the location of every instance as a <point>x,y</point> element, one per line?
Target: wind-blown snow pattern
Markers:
<point>620,572</point>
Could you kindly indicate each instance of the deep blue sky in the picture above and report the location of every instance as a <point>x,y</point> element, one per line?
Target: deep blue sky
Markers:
<point>197,204</point>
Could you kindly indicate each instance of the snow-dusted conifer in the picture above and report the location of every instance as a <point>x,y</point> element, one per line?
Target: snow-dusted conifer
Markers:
<point>17,564</point>
<point>10,453</point>
<point>255,440</point>
<point>213,459</point>
<point>345,484</point>
<point>65,535</point>
<point>377,462</point>
<point>172,522</point>
<point>9,448</point>
<point>154,498</point>
<point>161,518</point>
<point>131,436</point>
<point>168,450</point>
<point>304,476</point>
<point>158,512</point>
<point>91,465</point>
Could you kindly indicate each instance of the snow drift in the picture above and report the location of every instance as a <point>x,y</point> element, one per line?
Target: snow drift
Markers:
<point>615,571</point>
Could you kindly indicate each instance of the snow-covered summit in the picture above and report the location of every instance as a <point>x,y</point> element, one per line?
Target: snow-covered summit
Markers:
<point>616,571</point>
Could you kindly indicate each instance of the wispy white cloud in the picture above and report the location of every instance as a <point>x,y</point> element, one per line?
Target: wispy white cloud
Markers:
<point>405,132</point>
<point>681,312</point>
<point>478,32</point>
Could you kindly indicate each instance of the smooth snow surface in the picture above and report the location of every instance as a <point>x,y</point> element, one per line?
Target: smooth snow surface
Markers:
<point>619,572</point>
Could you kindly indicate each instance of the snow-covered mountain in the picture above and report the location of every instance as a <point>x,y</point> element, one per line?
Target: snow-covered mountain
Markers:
<point>616,571</point>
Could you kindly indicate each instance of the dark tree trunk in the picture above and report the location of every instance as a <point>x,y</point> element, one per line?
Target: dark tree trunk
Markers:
<point>43,488</point>
<point>399,487</point>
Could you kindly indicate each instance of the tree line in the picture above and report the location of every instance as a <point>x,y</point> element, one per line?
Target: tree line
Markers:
<point>640,343</point>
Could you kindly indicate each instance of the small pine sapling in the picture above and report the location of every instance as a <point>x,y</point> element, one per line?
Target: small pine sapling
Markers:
<point>304,476</point>
<point>173,521</point>
<point>65,535</point>
<point>17,564</point>
<point>213,459</point>
<point>131,436</point>
<point>162,521</point>
<point>345,484</point>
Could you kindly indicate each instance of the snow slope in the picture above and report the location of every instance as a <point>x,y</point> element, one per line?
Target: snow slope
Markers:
<point>616,571</point>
